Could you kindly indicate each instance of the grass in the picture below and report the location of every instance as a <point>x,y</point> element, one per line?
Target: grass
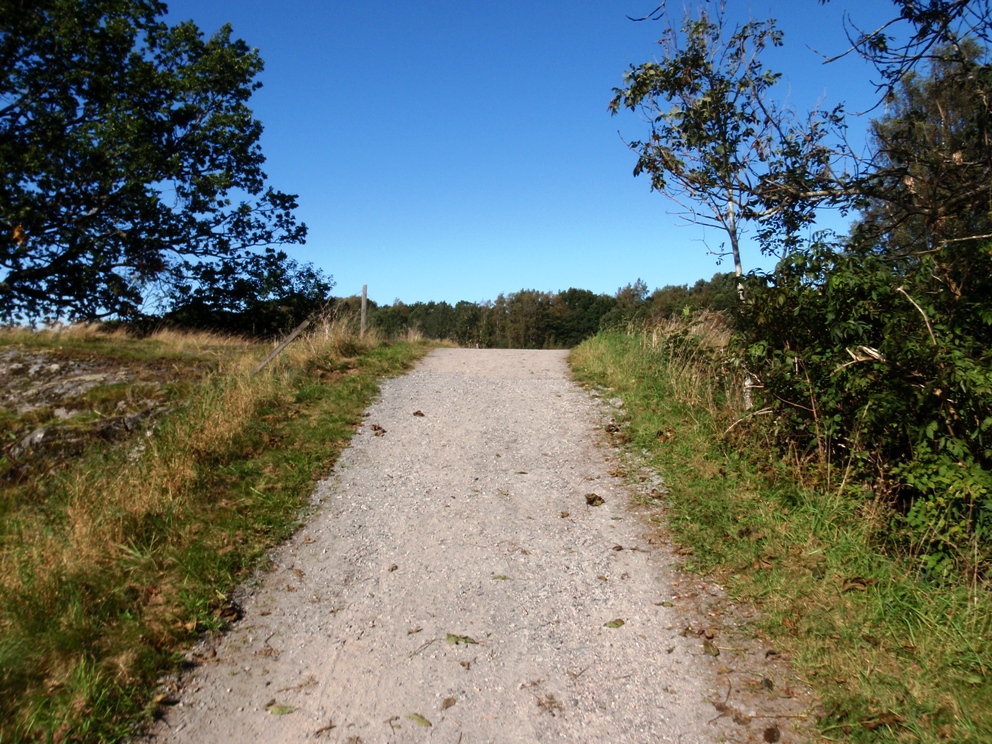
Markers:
<point>894,655</point>
<point>116,559</point>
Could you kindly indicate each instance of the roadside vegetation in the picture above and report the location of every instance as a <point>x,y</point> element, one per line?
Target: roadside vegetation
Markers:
<point>895,650</point>
<point>828,452</point>
<point>119,551</point>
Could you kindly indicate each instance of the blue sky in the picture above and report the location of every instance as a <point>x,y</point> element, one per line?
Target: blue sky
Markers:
<point>459,149</point>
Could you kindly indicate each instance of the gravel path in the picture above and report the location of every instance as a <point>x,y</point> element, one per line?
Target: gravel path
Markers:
<point>455,585</point>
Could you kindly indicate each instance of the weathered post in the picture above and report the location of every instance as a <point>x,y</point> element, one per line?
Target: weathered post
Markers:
<point>365,305</point>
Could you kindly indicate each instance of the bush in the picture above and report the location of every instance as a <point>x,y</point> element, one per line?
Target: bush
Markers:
<point>883,367</point>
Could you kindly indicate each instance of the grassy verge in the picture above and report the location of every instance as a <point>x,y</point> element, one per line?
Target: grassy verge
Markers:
<point>894,655</point>
<point>113,562</point>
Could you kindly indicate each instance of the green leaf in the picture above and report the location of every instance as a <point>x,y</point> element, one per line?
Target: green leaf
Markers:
<point>618,623</point>
<point>454,640</point>
<point>419,719</point>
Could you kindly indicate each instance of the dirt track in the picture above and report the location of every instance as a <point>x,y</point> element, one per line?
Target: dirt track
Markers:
<point>454,585</point>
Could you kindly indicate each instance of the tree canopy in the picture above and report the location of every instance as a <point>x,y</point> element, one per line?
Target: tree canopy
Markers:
<point>131,160</point>
<point>717,145</point>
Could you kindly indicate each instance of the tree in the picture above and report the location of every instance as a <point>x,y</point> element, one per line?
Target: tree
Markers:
<point>576,315</point>
<point>877,353</point>
<point>717,145</point>
<point>932,176</point>
<point>131,160</point>
<point>266,295</point>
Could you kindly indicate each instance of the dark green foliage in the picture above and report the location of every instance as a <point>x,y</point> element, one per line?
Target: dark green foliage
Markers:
<point>528,319</point>
<point>877,356</point>
<point>874,365</point>
<point>266,295</point>
<point>630,307</point>
<point>131,161</point>
<point>719,294</point>
<point>576,314</point>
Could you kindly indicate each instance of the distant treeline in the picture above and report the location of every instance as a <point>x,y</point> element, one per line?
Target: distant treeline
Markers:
<point>531,319</point>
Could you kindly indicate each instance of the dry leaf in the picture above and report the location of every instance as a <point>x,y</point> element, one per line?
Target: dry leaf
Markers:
<point>882,719</point>
<point>710,647</point>
<point>856,583</point>
<point>419,719</point>
<point>448,703</point>
<point>418,413</point>
<point>564,515</point>
<point>549,704</point>
<point>593,499</point>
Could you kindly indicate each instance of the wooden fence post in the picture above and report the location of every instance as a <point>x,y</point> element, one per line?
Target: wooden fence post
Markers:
<point>365,305</point>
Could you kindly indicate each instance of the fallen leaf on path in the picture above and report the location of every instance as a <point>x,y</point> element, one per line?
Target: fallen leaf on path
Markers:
<point>593,499</point>
<point>278,710</point>
<point>618,623</point>
<point>772,734</point>
<point>549,704</point>
<point>414,630</point>
<point>710,647</point>
<point>456,639</point>
<point>419,719</point>
<point>501,577</point>
<point>564,515</point>
<point>448,703</point>
<point>418,413</point>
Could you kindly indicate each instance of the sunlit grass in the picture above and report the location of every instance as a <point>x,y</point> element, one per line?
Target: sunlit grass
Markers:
<point>111,562</point>
<point>894,656</point>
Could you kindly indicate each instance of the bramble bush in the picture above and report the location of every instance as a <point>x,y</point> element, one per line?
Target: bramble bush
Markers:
<point>881,368</point>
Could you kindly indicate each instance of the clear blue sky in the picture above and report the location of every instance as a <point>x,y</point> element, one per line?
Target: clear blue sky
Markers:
<point>459,149</point>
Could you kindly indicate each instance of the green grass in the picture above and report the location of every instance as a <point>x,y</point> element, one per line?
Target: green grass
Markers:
<point>111,564</point>
<point>894,655</point>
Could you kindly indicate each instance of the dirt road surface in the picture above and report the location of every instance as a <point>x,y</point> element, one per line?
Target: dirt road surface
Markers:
<point>460,581</point>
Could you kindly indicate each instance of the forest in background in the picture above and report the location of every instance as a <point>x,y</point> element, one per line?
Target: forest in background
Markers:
<point>532,319</point>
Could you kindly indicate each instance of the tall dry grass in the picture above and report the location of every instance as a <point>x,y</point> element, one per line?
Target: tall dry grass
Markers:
<point>694,353</point>
<point>65,565</point>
